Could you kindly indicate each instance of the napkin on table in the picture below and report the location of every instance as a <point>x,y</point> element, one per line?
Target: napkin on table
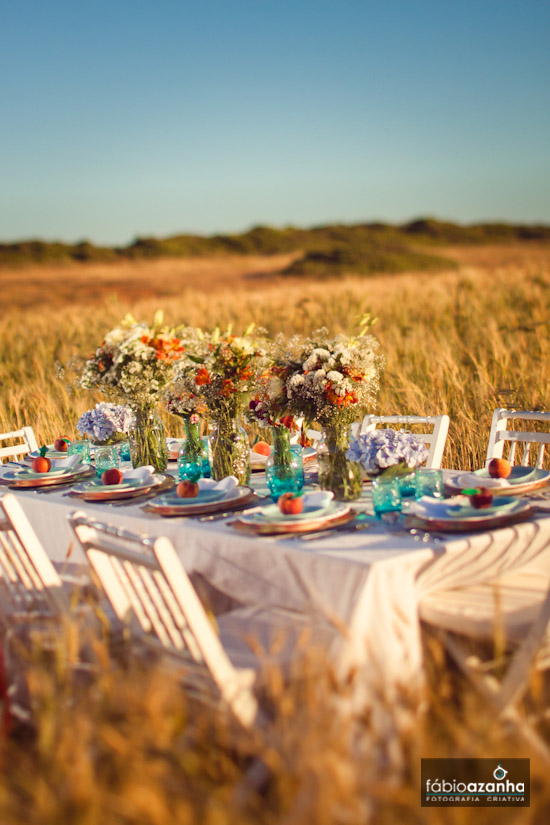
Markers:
<point>228,483</point>
<point>428,507</point>
<point>468,480</point>
<point>320,498</point>
<point>144,473</point>
<point>70,463</point>
<point>174,444</point>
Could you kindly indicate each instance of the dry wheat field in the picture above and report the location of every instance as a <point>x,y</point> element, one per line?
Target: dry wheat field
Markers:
<point>126,747</point>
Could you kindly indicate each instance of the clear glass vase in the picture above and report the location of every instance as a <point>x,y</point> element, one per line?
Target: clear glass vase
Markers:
<point>284,469</point>
<point>230,450</point>
<point>193,454</point>
<point>336,472</point>
<point>148,440</point>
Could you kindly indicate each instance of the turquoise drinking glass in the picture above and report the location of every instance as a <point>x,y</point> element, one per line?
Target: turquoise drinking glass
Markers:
<point>429,483</point>
<point>105,458</point>
<point>407,486</point>
<point>81,448</point>
<point>386,497</point>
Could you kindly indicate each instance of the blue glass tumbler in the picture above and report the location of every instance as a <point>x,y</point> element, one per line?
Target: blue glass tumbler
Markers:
<point>105,458</point>
<point>429,483</point>
<point>386,497</point>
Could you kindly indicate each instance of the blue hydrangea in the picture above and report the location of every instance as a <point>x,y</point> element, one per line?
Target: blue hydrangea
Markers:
<point>105,420</point>
<point>380,449</point>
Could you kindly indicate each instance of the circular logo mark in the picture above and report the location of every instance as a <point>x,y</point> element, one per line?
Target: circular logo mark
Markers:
<point>499,772</point>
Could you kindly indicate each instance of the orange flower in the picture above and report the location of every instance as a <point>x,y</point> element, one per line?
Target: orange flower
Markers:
<point>340,400</point>
<point>227,387</point>
<point>202,377</point>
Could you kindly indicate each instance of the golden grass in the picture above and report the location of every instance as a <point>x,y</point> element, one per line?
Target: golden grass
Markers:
<point>126,748</point>
<point>457,342</point>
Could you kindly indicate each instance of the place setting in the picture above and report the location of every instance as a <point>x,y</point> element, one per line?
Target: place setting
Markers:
<point>501,478</point>
<point>45,471</point>
<point>204,497</point>
<point>114,484</point>
<point>476,510</point>
<point>295,514</point>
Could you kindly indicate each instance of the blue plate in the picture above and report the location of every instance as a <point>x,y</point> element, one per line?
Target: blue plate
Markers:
<point>203,497</point>
<point>272,513</point>
<point>519,475</point>
<point>29,474</point>
<point>501,504</point>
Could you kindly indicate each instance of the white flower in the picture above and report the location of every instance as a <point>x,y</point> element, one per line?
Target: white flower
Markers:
<point>274,388</point>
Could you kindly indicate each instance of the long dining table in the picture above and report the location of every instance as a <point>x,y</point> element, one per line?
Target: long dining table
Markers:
<point>367,584</point>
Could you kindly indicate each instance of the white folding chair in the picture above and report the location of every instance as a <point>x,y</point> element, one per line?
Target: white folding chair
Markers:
<point>435,439</point>
<point>502,432</point>
<point>34,606</point>
<point>25,443</point>
<point>30,587</point>
<point>151,592</point>
<point>510,614</point>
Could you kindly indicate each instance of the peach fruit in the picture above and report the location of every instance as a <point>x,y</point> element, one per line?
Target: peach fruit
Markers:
<point>187,489</point>
<point>290,505</point>
<point>499,468</point>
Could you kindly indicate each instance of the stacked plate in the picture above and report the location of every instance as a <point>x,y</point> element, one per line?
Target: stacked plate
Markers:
<point>319,512</point>
<point>521,480</point>
<point>95,490</point>
<point>211,499</point>
<point>28,478</point>
<point>458,515</point>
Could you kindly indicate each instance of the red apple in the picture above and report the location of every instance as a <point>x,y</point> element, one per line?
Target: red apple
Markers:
<point>111,476</point>
<point>290,504</point>
<point>187,489</point>
<point>483,498</point>
<point>499,468</point>
<point>60,444</point>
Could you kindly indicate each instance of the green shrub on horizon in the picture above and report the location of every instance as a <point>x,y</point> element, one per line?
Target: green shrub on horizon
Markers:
<point>267,240</point>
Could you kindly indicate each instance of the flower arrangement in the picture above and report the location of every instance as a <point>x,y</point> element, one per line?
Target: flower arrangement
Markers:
<point>106,422</point>
<point>218,373</point>
<point>133,364</point>
<point>331,381</point>
<point>135,361</point>
<point>393,452</point>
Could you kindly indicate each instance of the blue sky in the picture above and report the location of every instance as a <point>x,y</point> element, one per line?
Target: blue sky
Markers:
<point>123,118</point>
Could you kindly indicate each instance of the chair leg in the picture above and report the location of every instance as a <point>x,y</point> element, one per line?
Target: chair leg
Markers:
<point>488,688</point>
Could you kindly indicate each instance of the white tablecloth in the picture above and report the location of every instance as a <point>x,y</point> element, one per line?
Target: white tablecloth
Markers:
<point>367,583</point>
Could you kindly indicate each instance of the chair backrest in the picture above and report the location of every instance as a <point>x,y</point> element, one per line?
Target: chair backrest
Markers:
<point>500,434</point>
<point>151,592</point>
<point>26,443</point>
<point>435,439</point>
<point>29,583</point>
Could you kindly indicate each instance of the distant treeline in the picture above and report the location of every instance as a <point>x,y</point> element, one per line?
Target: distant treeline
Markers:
<point>363,248</point>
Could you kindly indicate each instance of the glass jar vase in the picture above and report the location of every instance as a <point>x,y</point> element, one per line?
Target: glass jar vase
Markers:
<point>193,454</point>
<point>284,469</point>
<point>230,450</point>
<point>336,472</point>
<point>148,440</point>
